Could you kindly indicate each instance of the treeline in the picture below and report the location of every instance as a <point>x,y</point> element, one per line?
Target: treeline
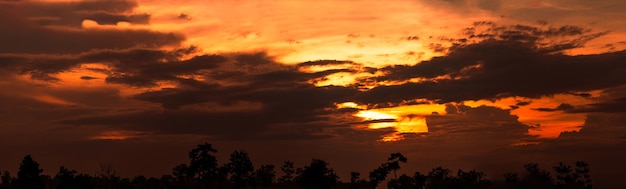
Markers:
<point>203,171</point>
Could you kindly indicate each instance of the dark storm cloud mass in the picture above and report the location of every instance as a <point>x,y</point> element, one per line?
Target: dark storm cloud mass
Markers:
<point>195,105</point>
<point>476,129</point>
<point>507,61</point>
<point>511,62</point>
<point>55,27</point>
<point>269,95</point>
<point>73,13</point>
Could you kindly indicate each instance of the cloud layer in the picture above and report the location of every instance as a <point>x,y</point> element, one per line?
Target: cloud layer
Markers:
<point>145,87</point>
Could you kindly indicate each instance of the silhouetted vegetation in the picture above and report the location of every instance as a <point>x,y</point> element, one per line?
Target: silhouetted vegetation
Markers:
<point>379,174</point>
<point>28,176</point>
<point>203,171</point>
<point>289,171</point>
<point>240,168</point>
<point>317,175</point>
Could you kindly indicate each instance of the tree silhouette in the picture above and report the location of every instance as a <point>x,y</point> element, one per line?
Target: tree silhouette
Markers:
<point>240,168</point>
<point>5,178</point>
<point>65,177</point>
<point>439,178</point>
<point>70,179</point>
<point>393,162</point>
<point>378,175</point>
<point>182,175</point>
<point>203,164</point>
<point>265,175</point>
<point>288,172</point>
<point>356,181</point>
<point>511,180</point>
<point>565,176</point>
<point>107,176</point>
<point>404,182</point>
<point>471,179</point>
<point>317,176</point>
<point>222,174</point>
<point>202,172</point>
<point>583,176</point>
<point>536,178</point>
<point>28,176</point>
<point>420,180</point>
<point>354,177</point>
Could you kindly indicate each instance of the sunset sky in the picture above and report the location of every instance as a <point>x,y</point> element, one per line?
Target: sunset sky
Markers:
<point>483,84</point>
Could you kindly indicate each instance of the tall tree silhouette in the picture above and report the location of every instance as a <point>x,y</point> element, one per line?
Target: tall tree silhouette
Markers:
<point>240,168</point>
<point>317,175</point>
<point>379,174</point>
<point>265,175</point>
<point>203,164</point>
<point>393,162</point>
<point>29,175</point>
<point>288,172</point>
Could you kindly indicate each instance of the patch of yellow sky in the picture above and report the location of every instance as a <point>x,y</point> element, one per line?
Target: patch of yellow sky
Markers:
<point>375,33</point>
<point>409,119</point>
<point>372,33</point>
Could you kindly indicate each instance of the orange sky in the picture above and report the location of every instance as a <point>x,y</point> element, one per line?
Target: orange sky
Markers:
<point>371,33</point>
<point>447,78</point>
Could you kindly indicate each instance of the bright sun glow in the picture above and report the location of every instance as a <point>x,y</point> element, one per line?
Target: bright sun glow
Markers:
<point>351,105</point>
<point>409,119</point>
<point>375,115</point>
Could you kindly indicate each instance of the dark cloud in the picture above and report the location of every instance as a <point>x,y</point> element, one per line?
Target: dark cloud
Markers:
<point>205,87</point>
<point>266,95</point>
<point>184,16</point>
<point>112,19</point>
<point>73,13</point>
<point>522,103</point>
<point>617,105</point>
<point>87,77</point>
<point>146,67</point>
<point>561,107</point>
<point>483,119</point>
<point>324,63</point>
<point>504,66</point>
<point>31,27</point>
<point>226,125</point>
